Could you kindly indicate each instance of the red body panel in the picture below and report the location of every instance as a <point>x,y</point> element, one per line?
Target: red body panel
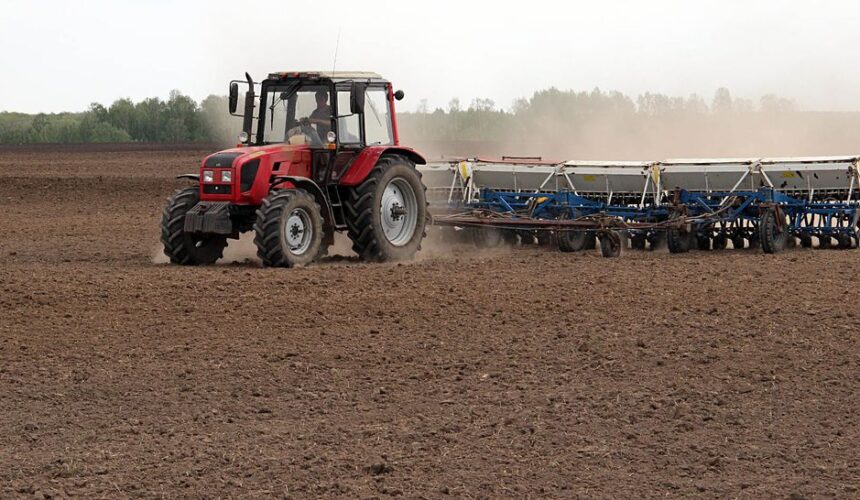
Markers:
<point>281,159</point>
<point>361,166</point>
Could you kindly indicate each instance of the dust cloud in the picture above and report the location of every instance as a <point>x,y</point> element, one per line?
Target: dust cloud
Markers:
<point>639,136</point>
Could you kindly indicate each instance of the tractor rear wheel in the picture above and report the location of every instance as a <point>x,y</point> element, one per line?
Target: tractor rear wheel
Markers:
<point>289,229</point>
<point>186,248</point>
<point>386,214</point>
<point>772,237</point>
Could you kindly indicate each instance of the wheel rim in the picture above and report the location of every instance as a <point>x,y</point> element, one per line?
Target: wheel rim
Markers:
<point>398,212</point>
<point>298,231</point>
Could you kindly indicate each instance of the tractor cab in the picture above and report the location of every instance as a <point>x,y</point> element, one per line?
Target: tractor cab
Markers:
<point>319,110</point>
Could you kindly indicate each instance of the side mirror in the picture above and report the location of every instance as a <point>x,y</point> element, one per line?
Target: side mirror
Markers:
<point>399,95</point>
<point>233,100</point>
<point>356,97</point>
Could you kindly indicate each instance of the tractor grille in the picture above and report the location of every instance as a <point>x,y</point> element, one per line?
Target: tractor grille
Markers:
<point>216,189</point>
<point>249,173</point>
<point>221,160</point>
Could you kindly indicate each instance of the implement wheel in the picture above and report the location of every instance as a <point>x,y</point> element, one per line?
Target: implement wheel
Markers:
<point>720,242</point>
<point>656,240</point>
<point>678,241</point>
<point>185,248</point>
<point>289,229</point>
<point>771,234</point>
<point>610,244</point>
<point>573,241</point>
<point>486,237</point>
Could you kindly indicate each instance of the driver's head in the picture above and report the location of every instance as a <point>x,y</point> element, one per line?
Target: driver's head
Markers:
<point>322,98</point>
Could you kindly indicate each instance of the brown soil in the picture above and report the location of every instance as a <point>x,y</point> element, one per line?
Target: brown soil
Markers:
<point>513,373</point>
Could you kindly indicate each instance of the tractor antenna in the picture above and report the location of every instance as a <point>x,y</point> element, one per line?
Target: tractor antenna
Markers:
<point>336,47</point>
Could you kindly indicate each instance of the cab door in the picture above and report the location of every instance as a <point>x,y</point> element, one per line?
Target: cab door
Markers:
<point>350,136</point>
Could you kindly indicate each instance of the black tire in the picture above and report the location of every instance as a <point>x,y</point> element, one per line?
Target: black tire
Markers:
<point>824,241</point>
<point>656,240</point>
<point>754,240</point>
<point>181,247</point>
<point>770,235</point>
<point>844,241</point>
<point>738,242</point>
<point>486,237</point>
<point>590,241</point>
<point>720,242</point>
<point>573,241</point>
<point>527,238</point>
<point>638,241</point>
<point>510,237</point>
<point>678,241</point>
<point>284,214</point>
<point>545,238</point>
<point>806,241</point>
<point>364,217</point>
<point>703,241</point>
<point>610,244</point>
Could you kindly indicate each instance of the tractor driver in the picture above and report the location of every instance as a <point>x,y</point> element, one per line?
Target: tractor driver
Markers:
<point>321,117</point>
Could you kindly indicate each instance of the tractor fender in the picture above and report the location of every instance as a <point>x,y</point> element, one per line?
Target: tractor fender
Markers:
<point>310,186</point>
<point>364,162</point>
<point>193,177</point>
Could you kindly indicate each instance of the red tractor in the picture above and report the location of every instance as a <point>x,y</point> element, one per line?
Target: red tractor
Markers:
<point>321,154</point>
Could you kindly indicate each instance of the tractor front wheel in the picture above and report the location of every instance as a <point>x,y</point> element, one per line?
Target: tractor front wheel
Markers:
<point>386,214</point>
<point>289,229</point>
<point>183,248</point>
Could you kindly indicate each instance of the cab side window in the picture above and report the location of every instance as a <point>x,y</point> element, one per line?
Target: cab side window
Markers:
<point>377,119</point>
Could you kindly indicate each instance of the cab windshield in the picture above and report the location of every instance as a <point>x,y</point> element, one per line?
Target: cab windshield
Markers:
<point>295,114</point>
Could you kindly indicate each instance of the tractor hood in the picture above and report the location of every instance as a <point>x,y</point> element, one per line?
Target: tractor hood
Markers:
<point>251,171</point>
<point>240,155</point>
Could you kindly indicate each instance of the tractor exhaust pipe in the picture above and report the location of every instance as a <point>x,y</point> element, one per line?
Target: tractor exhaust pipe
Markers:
<point>248,117</point>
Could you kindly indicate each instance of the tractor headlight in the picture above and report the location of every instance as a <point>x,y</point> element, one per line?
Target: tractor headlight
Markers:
<point>226,176</point>
<point>208,176</point>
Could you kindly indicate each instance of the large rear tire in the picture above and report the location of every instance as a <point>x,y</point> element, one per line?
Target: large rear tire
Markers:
<point>386,214</point>
<point>183,248</point>
<point>289,229</point>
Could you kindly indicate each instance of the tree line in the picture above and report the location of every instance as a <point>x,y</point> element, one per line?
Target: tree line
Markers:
<point>175,120</point>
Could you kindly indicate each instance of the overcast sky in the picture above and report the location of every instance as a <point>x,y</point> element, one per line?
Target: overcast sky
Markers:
<point>62,55</point>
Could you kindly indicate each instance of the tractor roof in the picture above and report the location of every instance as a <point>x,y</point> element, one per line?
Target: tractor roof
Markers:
<point>336,76</point>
